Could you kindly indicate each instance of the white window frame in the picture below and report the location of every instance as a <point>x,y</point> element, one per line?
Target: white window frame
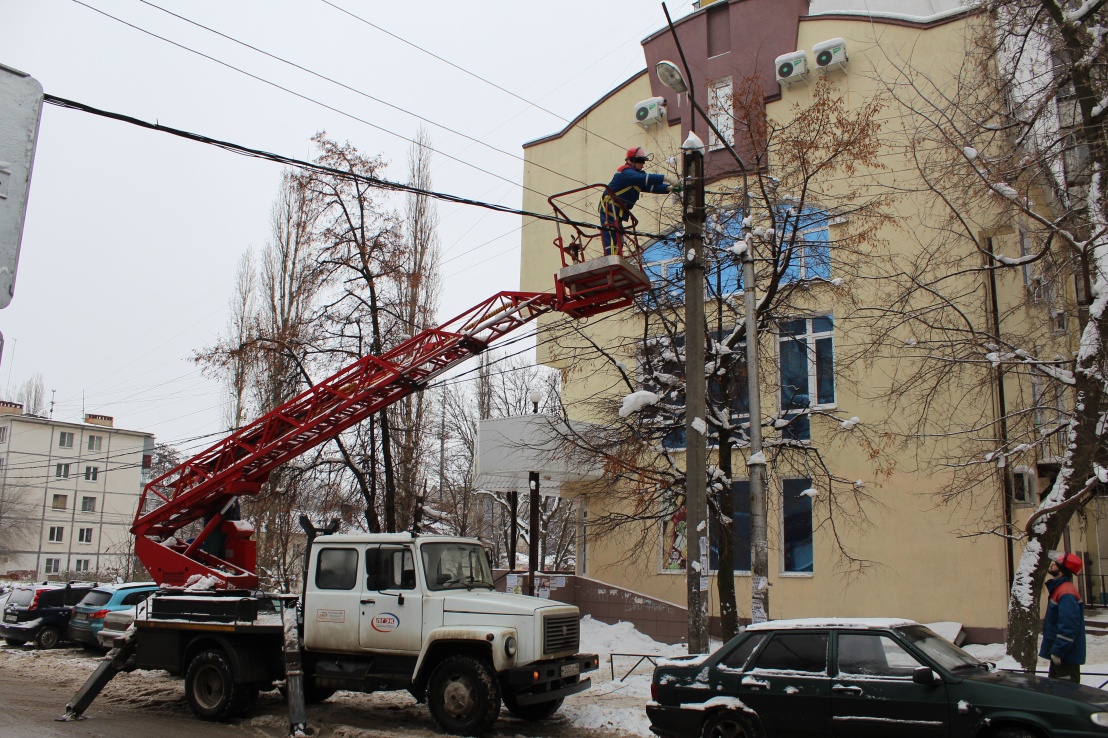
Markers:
<point>91,473</point>
<point>84,535</point>
<point>811,335</point>
<point>81,564</point>
<point>3,434</point>
<point>65,439</point>
<point>61,471</point>
<point>88,509</point>
<point>53,565</point>
<point>56,534</point>
<point>64,499</point>
<point>1024,478</point>
<point>95,443</point>
<point>721,92</point>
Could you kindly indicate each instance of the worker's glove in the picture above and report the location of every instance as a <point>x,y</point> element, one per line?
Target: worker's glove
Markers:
<point>1056,660</point>
<point>676,188</point>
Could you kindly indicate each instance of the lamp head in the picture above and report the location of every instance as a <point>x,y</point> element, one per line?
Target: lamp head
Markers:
<point>670,76</point>
<point>534,397</point>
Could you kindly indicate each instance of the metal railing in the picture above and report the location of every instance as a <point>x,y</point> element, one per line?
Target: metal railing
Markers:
<point>650,658</point>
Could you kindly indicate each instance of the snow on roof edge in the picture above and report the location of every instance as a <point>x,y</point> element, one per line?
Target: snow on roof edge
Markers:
<point>884,15</point>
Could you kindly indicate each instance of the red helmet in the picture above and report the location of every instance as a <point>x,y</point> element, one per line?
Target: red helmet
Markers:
<point>637,152</point>
<point>1069,562</point>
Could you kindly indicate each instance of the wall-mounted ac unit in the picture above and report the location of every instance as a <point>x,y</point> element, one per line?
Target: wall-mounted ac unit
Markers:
<point>650,111</point>
<point>830,54</point>
<point>791,67</point>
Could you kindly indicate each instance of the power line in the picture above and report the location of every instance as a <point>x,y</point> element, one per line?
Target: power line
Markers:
<point>356,91</point>
<point>311,166</point>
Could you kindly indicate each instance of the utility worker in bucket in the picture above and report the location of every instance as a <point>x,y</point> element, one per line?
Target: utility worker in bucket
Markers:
<point>1064,624</point>
<point>628,182</point>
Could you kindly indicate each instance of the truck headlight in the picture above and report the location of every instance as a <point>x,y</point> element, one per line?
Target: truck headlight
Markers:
<point>1100,718</point>
<point>510,651</point>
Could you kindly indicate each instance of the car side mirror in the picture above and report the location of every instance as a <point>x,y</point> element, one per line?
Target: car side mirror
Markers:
<point>924,675</point>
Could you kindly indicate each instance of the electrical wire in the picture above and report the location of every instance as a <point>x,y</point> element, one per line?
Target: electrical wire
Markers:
<point>311,166</point>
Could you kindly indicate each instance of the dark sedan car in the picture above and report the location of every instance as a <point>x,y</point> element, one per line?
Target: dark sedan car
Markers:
<point>861,677</point>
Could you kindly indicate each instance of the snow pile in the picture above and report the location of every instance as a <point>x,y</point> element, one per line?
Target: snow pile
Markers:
<point>636,401</point>
<point>201,583</point>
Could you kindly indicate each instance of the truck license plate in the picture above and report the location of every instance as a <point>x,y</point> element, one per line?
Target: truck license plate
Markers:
<point>571,670</point>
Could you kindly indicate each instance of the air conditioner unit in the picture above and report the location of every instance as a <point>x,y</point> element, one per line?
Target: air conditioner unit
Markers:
<point>830,54</point>
<point>650,111</point>
<point>791,67</point>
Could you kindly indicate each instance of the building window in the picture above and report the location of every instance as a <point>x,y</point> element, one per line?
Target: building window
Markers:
<point>65,439</point>
<point>1024,486</point>
<point>3,434</point>
<point>797,536</point>
<point>1049,398</point>
<point>88,504</point>
<point>60,502</point>
<point>53,566</point>
<point>720,107</point>
<point>80,565</point>
<point>94,442</point>
<point>91,472</point>
<point>806,240</point>
<point>740,538</point>
<point>84,535</point>
<point>57,534</point>
<point>807,353</point>
<point>61,471</point>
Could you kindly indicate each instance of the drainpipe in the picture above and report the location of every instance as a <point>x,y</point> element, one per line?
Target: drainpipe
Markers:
<point>1002,409</point>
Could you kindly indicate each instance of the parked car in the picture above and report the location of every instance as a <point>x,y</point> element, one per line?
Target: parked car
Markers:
<point>116,624</point>
<point>867,677</point>
<point>41,612</point>
<point>88,615</point>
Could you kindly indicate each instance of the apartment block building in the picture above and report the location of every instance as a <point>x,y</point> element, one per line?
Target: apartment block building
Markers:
<point>68,494</point>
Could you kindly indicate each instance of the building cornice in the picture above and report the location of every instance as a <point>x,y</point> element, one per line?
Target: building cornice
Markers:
<point>584,114</point>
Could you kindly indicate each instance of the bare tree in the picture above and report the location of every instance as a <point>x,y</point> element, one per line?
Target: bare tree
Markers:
<point>18,521</point>
<point>32,395</point>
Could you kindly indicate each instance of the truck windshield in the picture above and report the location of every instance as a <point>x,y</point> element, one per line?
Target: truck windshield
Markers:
<point>455,566</point>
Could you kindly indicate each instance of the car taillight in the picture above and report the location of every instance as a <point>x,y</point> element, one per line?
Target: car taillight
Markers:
<point>34,600</point>
<point>98,614</point>
<point>654,691</point>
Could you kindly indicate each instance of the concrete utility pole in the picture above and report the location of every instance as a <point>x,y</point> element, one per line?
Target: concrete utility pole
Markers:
<point>759,563</point>
<point>533,535</point>
<point>696,446</point>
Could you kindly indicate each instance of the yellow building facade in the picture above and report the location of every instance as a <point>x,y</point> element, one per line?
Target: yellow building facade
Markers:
<point>890,546</point>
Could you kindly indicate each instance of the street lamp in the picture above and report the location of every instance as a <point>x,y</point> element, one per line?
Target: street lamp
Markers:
<point>534,397</point>
<point>670,76</point>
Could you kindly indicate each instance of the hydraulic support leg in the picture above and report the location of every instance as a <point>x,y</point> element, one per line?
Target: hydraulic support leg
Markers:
<point>294,675</point>
<point>112,664</point>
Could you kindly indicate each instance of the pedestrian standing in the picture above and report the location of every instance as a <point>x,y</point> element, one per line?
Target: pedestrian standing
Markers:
<point>1064,624</point>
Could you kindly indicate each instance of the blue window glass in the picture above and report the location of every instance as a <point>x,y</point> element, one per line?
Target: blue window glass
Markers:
<point>807,235</point>
<point>740,496</point>
<point>807,351</point>
<point>797,510</point>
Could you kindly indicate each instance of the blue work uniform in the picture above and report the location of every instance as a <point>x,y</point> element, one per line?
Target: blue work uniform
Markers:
<point>625,187</point>
<point>1064,624</point>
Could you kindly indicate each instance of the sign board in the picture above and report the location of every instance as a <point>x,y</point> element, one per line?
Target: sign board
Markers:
<point>20,112</point>
<point>508,449</point>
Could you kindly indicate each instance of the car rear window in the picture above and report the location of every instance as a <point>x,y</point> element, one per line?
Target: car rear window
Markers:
<point>96,598</point>
<point>21,597</point>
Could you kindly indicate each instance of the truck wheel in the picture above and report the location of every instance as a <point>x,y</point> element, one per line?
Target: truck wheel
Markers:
<point>537,711</point>
<point>464,696</point>
<point>48,638</point>
<point>246,696</point>
<point>211,690</point>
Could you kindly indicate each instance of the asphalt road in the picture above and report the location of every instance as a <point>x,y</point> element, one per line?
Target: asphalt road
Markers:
<point>36,685</point>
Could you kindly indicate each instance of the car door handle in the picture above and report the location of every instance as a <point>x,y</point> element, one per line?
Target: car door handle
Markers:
<point>369,602</point>
<point>843,689</point>
<point>755,683</point>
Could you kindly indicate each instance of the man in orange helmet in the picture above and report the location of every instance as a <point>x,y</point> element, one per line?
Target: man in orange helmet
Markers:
<point>623,192</point>
<point>1064,624</point>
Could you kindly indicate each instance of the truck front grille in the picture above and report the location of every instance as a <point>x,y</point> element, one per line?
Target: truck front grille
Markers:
<point>561,633</point>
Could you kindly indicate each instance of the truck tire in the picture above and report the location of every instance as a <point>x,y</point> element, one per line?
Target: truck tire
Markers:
<point>537,711</point>
<point>211,689</point>
<point>48,638</point>
<point>464,696</point>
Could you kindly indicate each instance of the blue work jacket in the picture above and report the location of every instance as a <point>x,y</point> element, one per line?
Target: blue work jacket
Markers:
<point>1064,624</point>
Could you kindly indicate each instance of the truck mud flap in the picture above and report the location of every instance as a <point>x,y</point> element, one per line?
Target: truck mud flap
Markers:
<point>112,664</point>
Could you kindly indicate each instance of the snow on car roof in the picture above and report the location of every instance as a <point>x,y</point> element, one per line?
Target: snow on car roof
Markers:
<point>832,623</point>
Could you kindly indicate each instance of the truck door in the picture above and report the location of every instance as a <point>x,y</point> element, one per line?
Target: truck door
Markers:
<point>392,602</point>
<point>332,603</point>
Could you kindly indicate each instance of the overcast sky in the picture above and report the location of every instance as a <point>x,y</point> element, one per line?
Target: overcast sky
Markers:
<point>133,237</point>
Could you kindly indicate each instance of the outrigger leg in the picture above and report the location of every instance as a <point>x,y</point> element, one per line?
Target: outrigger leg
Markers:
<point>112,664</point>
<point>294,676</point>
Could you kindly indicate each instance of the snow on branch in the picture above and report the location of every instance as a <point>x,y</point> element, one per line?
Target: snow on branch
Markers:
<point>1077,15</point>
